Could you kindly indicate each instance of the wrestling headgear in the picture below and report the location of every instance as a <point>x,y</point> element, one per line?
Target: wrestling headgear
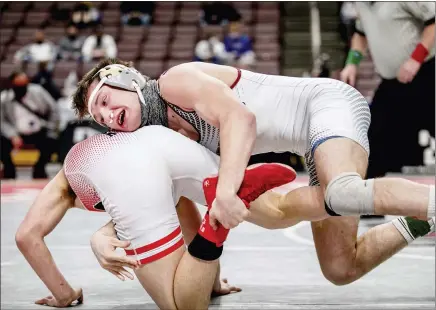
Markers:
<point>153,108</point>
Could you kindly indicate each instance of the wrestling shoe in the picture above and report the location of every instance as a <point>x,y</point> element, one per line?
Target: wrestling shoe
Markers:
<point>257,181</point>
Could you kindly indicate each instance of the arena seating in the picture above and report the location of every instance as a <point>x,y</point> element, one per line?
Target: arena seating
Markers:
<point>169,41</point>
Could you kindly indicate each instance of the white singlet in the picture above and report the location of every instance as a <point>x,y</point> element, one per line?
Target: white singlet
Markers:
<point>293,114</point>
<point>139,177</point>
<point>298,114</point>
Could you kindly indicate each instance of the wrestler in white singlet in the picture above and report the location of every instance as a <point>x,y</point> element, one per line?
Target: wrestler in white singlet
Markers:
<point>293,114</point>
<point>138,178</point>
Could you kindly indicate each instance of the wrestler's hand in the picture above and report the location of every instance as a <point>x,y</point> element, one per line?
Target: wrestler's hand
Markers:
<point>228,211</point>
<point>104,248</point>
<point>50,301</point>
<point>223,288</point>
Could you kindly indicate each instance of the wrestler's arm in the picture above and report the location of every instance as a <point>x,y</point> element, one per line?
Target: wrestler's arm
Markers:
<point>46,212</point>
<point>215,102</point>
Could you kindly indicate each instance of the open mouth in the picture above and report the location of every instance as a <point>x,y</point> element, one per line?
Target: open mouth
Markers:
<point>121,117</point>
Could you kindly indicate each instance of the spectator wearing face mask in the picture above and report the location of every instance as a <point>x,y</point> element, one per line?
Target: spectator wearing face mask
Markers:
<point>70,46</point>
<point>41,50</point>
<point>28,115</point>
<point>98,46</point>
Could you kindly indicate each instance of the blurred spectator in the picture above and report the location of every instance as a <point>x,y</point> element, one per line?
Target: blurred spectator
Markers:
<point>238,46</point>
<point>41,50</point>
<point>135,13</point>
<point>347,22</point>
<point>70,46</point>
<point>400,37</point>
<point>99,45</point>
<point>28,115</point>
<point>211,50</point>
<point>348,15</point>
<point>218,13</point>
<point>321,68</point>
<point>85,15</point>
<point>44,77</point>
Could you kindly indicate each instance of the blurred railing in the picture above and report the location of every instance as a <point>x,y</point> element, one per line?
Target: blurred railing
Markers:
<point>315,31</point>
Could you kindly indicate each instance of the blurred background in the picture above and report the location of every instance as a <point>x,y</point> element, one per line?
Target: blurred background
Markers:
<point>46,47</point>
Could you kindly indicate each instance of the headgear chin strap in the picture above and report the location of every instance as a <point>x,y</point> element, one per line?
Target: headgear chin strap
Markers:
<point>119,76</point>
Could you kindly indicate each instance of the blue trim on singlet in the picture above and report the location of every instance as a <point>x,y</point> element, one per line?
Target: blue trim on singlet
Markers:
<point>319,142</point>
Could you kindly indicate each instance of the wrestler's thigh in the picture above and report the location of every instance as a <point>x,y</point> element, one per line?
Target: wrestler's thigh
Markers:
<point>335,237</point>
<point>335,242</point>
<point>157,278</point>
<point>338,133</point>
<point>339,155</point>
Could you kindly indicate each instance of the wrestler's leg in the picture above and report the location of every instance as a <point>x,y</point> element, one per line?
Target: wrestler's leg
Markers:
<point>190,221</point>
<point>189,217</point>
<point>389,196</point>
<point>273,210</point>
<point>343,257</point>
<point>179,281</point>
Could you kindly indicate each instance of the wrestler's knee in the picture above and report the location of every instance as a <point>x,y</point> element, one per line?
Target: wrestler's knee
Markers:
<point>339,271</point>
<point>349,194</point>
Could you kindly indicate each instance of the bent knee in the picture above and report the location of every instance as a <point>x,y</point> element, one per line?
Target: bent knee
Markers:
<point>349,194</point>
<point>339,274</point>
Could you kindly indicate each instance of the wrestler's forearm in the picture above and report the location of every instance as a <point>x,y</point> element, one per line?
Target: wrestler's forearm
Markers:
<point>39,257</point>
<point>47,211</point>
<point>238,134</point>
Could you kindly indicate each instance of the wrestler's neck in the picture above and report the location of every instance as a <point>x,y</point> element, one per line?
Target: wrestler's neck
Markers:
<point>177,123</point>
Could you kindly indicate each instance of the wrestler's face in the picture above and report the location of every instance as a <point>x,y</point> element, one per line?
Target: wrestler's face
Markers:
<point>115,108</point>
